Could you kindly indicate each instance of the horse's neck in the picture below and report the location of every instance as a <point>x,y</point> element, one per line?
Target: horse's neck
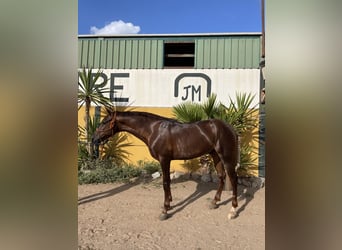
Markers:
<point>135,124</point>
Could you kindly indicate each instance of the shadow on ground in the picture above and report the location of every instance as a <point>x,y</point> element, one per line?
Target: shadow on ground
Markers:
<point>245,194</point>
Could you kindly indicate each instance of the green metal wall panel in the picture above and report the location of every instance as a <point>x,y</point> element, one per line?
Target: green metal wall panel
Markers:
<point>235,53</point>
<point>221,52</point>
<point>91,52</point>
<point>249,51</point>
<point>128,56</point>
<point>134,54</point>
<point>103,54</point>
<point>241,53</point>
<point>141,54</point>
<point>116,54</point>
<point>154,54</point>
<point>199,54</point>
<point>122,54</point>
<point>213,53</point>
<point>147,49</point>
<point>97,53</point>
<point>227,53</point>
<point>256,52</point>
<point>108,54</point>
<point>206,57</point>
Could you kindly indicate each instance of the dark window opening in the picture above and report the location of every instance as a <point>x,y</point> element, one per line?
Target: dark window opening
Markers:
<point>179,54</point>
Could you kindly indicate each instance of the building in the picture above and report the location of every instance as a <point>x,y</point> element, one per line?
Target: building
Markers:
<point>155,72</point>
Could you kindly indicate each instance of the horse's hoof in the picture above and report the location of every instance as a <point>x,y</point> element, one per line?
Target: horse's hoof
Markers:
<point>163,216</point>
<point>232,214</point>
<point>213,205</point>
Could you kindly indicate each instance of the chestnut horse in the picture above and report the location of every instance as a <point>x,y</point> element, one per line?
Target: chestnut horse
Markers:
<point>168,139</point>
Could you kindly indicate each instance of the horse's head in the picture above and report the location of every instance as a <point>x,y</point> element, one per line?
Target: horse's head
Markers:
<point>106,129</point>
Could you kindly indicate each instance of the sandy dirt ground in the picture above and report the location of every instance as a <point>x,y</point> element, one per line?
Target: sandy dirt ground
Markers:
<point>126,216</point>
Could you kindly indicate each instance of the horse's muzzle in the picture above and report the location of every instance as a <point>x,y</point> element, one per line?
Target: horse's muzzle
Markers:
<point>95,141</point>
<point>98,141</point>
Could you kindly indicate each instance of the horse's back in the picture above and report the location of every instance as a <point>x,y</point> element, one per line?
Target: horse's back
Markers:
<point>210,129</point>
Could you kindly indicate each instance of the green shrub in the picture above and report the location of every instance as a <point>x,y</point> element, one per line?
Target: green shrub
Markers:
<point>105,171</point>
<point>149,167</point>
<point>108,175</point>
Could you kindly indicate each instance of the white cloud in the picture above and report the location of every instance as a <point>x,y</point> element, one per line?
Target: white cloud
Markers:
<point>115,27</point>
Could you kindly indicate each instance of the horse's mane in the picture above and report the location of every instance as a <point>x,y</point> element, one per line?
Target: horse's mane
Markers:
<point>148,115</point>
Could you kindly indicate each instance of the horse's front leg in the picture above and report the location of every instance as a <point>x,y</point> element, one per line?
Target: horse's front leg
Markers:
<point>165,164</point>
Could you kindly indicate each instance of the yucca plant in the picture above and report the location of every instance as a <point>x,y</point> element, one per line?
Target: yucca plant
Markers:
<point>91,92</point>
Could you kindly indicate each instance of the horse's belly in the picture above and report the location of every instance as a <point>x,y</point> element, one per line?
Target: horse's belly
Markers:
<point>187,149</point>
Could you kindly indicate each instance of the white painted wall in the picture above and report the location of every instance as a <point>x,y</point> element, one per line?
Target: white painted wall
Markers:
<point>156,87</point>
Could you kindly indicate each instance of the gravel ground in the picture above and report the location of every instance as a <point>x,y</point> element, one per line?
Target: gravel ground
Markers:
<point>126,216</point>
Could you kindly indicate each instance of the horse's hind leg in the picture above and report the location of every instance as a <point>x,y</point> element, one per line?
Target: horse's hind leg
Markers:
<point>221,175</point>
<point>230,168</point>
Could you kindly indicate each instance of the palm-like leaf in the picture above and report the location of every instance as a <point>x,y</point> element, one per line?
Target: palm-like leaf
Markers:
<point>211,107</point>
<point>188,112</point>
<point>240,115</point>
<point>81,133</point>
<point>93,124</point>
<point>115,150</point>
<point>89,90</point>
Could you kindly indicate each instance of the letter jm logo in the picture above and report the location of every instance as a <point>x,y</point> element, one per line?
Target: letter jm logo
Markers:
<point>191,90</point>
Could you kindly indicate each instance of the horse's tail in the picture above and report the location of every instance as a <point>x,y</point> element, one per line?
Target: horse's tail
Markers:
<point>238,142</point>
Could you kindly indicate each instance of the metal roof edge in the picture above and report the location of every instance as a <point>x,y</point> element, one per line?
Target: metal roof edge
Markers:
<point>173,35</point>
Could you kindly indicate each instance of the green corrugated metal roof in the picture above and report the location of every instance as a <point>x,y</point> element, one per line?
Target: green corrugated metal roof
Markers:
<point>212,51</point>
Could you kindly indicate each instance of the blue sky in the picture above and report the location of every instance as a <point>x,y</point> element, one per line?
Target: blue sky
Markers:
<point>168,17</point>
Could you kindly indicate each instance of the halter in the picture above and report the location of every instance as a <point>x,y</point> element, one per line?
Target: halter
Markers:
<point>111,125</point>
